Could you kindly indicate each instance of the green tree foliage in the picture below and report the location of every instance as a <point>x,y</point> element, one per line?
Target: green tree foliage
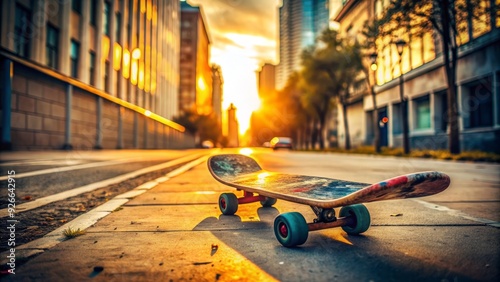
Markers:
<point>301,109</point>
<point>451,21</point>
<point>329,70</point>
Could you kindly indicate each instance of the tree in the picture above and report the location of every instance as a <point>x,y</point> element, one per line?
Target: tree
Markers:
<point>203,127</point>
<point>329,70</point>
<point>317,92</point>
<point>281,114</point>
<point>449,20</point>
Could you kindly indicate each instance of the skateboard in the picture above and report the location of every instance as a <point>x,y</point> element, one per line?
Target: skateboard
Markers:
<point>320,193</point>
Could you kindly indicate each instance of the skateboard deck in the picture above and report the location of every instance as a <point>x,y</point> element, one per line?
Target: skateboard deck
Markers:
<point>322,194</point>
<point>243,172</point>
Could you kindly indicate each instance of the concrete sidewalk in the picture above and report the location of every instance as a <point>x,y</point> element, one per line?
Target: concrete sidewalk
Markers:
<point>157,235</point>
<point>171,229</point>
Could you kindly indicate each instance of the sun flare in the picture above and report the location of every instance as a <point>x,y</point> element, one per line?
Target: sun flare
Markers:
<point>240,84</point>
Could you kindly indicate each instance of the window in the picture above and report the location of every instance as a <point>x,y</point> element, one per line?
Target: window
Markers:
<point>498,96</point>
<point>129,32</point>
<point>127,94</point>
<point>397,120</point>
<point>106,18</point>
<point>52,46</point>
<point>186,34</point>
<point>479,104</point>
<point>93,8</point>
<point>118,25</point>
<point>118,88</point>
<point>76,5</point>
<point>481,18</point>
<point>74,52</point>
<point>92,68</point>
<point>106,76</point>
<point>423,113</point>
<point>442,106</point>
<point>186,58</point>
<point>22,32</point>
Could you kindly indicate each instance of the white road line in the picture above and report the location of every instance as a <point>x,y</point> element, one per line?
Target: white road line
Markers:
<point>458,213</point>
<point>42,162</point>
<point>90,187</point>
<point>66,168</point>
<point>88,219</point>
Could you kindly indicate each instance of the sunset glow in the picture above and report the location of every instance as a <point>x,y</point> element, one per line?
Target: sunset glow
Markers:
<point>243,37</point>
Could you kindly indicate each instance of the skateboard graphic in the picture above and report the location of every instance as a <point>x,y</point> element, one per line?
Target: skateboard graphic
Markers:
<point>320,193</point>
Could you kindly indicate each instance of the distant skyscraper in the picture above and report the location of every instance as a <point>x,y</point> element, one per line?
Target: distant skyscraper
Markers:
<point>233,127</point>
<point>267,80</point>
<point>217,83</point>
<point>195,71</point>
<point>301,21</point>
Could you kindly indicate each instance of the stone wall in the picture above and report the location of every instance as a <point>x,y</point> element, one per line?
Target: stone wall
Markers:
<point>38,118</point>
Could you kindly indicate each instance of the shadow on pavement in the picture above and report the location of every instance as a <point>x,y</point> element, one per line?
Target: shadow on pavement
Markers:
<point>327,255</point>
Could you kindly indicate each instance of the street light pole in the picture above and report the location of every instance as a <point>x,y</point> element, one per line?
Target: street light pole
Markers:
<point>400,44</point>
<point>376,126</point>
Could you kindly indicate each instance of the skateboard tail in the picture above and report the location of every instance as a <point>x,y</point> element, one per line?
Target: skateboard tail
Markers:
<point>414,185</point>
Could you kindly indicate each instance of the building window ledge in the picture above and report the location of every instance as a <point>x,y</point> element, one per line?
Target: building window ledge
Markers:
<point>481,129</point>
<point>422,132</point>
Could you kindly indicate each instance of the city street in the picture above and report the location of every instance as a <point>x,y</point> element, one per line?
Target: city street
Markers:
<point>172,229</point>
<point>111,110</point>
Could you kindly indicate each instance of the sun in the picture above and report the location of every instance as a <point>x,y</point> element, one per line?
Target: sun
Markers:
<point>240,85</point>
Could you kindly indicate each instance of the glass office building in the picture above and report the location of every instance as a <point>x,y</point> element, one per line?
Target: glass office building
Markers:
<point>301,21</point>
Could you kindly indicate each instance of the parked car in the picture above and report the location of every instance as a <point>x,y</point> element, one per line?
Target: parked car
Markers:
<point>207,144</point>
<point>281,142</point>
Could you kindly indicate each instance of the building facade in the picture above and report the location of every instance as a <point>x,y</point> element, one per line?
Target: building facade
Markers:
<point>266,79</point>
<point>232,127</point>
<point>78,63</point>
<point>424,85</point>
<point>300,22</point>
<point>217,93</point>
<point>195,93</point>
<point>352,16</point>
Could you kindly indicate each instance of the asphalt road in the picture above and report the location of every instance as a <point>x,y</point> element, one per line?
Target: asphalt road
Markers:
<point>474,188</point>
<point>41,174</point>
<point>451,236</point>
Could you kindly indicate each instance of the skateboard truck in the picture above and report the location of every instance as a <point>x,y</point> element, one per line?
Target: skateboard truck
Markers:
<point>320,193</point>
<point>249,197</point>
<point>291,229</point>
<point>324,215</point>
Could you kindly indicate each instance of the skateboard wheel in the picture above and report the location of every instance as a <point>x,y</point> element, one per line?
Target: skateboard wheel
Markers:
<point>291,229</point>
<point>268,202</point>
<point>228,203</point>
<point>361,217</point>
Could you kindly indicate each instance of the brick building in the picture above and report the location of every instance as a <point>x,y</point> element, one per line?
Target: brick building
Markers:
<point>90,74</point>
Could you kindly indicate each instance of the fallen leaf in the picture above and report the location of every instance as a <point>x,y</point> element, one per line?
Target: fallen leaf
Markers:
<point>396,214</point>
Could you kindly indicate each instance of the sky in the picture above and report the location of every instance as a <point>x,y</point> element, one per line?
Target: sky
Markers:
<point>243,36</point>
